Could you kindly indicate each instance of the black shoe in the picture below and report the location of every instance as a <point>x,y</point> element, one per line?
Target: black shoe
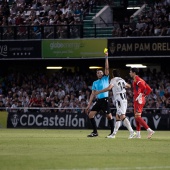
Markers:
<point>92,134</point>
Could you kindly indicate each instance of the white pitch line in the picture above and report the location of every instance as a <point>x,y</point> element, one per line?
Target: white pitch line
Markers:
<point>117,168</point>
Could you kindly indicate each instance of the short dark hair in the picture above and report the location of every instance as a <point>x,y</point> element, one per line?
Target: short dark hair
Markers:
<point>134,70</point>
<point>116,73</point>
<point>98,70</point>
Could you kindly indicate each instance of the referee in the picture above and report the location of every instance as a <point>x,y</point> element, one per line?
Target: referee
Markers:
<point>102,101</point>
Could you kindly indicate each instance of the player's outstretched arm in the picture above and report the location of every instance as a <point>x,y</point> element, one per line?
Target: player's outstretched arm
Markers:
<point>128,86</point>
<point>104,90</point>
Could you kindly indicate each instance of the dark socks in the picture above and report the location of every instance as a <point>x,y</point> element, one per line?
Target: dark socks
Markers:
<point>93,125</point>
<point>111,125</point>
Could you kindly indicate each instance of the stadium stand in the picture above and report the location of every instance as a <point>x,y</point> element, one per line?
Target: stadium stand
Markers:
<point>74,19</point>
<point>67,89</point>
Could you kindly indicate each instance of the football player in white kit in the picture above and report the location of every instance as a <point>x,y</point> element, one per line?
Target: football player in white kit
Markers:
<point>118,86</point>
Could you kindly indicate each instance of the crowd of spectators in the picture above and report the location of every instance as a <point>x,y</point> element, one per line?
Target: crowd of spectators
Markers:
<point>153,20</point>
<point>45,13</point>
<point>67,91</point>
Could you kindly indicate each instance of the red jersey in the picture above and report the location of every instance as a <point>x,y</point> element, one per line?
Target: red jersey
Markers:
<point>140,86</point>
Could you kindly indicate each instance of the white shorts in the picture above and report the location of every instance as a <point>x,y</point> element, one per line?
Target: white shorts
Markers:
<point>121,106</point>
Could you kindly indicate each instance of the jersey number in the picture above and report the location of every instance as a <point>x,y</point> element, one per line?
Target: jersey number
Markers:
<point>121,84</point>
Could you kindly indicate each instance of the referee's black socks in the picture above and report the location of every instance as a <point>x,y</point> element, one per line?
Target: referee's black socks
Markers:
<point>111,125</point>
<point>93,122</point>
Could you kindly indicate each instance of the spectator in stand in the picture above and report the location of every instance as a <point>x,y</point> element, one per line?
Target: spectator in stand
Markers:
<point>149,30</point>
<point>76,106</point>
<point>63,31</point>
<point>157,29</point>
<point>61,93</point>
<point>87,95</point>
<point>52,11</point>
<point>2,98</point>
<point>166,93</point>
<point>168,103</point>
<point>19,20</point>
<point>59,10</point>
<point>32,13</point>
<point>5,9</point>
<point>81,95</point>
<point>64,9</point>
<point>54,105</point>
<point>48,102</point>
<point>46,6</point>
<point>22,31</point>
<point>125,26</point>
<point>61,107</point>
<point>25,103</point>
<point>39,101</point>
<point>83,106</point>
<point>140,26</point>
<point>2,106</point>
<point>69,88</point>
<point>116,32</point>
<point>32,100</point>
<point>14,106</point>
<point>164,25</point>
<point>77,13</point>
<point>11,19</point>
<point>36,32</point>
<point>13,9</point>
<point>132,26</point>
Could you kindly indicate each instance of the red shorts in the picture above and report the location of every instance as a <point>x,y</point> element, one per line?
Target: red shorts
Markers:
<point>138,107</point>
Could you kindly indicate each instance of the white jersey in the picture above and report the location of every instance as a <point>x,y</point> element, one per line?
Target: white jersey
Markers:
<point>119,94</point>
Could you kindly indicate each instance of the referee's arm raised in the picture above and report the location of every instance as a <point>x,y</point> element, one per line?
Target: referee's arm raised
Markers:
<point>106,64</point>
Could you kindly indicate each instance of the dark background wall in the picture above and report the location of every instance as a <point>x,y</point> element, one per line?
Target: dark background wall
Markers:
<point>80,64</point>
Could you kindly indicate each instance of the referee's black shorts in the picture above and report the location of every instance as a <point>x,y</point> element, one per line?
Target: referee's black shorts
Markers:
<point>101,105</point>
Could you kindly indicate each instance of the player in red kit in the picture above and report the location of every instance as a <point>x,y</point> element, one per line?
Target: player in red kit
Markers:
<point>140,90</point>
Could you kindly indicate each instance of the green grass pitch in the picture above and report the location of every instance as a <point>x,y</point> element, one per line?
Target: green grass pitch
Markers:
<point>25,149</point>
